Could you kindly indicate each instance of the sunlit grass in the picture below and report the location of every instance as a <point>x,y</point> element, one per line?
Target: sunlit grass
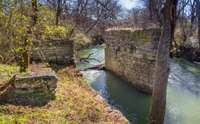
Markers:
<point>75,103</point>
<point>6,71</point>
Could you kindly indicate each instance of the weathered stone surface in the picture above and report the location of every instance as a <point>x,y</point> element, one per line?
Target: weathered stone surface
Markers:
<point>133,57</point>
<point>33,88</point>
<point>54,50</point>
<point>31,82</point>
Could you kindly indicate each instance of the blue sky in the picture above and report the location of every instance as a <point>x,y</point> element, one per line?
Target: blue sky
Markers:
<point>129,4</point>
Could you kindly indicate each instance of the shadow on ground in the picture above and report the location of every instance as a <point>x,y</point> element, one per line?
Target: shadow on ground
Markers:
<point>10,95</point>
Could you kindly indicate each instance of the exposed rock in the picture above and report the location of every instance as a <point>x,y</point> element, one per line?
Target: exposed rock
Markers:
<point>31,82</point>
<point>30,89</point>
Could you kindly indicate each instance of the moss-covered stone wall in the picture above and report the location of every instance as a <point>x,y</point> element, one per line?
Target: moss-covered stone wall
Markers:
<point>131,55</point>
<point>54,50</point>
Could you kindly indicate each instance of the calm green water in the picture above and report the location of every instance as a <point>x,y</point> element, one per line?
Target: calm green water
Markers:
<point>183,93</point>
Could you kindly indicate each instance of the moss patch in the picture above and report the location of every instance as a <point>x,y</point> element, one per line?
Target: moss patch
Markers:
<point>35,98</point>
<point>141,36</point>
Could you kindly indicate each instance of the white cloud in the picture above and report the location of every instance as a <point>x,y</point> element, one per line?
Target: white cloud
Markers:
<point>129,4</point>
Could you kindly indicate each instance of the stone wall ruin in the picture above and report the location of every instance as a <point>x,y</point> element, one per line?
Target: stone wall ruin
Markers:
<point>59,51</point>
<point>132,55</point>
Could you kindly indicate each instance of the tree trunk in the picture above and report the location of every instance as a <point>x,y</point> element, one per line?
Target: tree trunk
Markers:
<point>173,26</point>
<point>26,44</point>
<point>58,11</point>
<point>158,103</point>
<point>198,16</point>
<point>1,5</point>
<point>25,61</point>
<point>152,9</point>
<point>34,12</point>
<point>192,19</point>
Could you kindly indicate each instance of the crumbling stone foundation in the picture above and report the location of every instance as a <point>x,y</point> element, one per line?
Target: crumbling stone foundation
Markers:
<point>132,55</point>
<point>32,88</point>
<point>58,51</point>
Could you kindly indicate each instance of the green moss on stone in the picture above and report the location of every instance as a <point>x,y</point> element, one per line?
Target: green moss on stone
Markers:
<point>142,36</point>
<point>36,98</point>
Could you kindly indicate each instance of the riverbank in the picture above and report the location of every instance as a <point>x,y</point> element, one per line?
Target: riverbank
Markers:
<point>183,92</point>
<point>75,102</point>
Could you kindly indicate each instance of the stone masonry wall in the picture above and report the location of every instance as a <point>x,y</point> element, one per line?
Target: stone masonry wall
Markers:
<point>131,55</point>
<point>54,50</point>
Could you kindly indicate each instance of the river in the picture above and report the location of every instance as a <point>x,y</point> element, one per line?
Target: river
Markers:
<point>183,91</point>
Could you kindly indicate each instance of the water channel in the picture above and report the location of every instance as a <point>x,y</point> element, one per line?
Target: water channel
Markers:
<point>183,92</point>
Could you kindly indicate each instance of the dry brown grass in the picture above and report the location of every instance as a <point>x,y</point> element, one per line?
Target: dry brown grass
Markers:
<point>75,103</point>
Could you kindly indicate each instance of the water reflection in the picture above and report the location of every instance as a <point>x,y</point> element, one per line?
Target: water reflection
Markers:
<point>118,93</point>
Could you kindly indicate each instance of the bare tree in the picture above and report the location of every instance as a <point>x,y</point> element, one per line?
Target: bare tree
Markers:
<point>88,14</point>
<point>157,111</point>
<point>58,11</point>
<point>193,12</point>
<point>198,16</point>
<point>34,12</point>
<point>154,9</point>
<point>25,39</point>
<point>1,5</point>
